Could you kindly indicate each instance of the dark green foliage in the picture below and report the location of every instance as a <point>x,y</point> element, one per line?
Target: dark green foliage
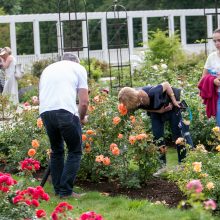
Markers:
<point>97,68</point>
<point>39,66</point>
<point>163,47</point>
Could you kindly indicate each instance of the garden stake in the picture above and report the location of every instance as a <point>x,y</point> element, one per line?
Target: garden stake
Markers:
<point>45,176</point>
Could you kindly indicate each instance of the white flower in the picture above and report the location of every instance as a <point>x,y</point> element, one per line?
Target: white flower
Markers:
<point>35,100</point>
<point>164,66</point>
<point>155,67</point>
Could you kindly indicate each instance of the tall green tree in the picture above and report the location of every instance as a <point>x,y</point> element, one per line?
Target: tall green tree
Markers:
<point>4,32</point>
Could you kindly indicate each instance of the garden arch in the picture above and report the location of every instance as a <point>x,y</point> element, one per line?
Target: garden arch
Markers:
<point>73,31</point>
<point>118,38</point>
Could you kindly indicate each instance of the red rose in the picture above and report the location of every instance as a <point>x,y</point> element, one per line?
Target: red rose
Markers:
<point>40,213</point>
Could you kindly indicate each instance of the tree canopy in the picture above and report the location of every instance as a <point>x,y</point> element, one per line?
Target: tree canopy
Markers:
<point>42,6</point>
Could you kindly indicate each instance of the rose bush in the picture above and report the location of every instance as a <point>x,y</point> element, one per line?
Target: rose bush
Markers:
<point>22,133</point>
<point>201,165</point>
<point>116,145</point>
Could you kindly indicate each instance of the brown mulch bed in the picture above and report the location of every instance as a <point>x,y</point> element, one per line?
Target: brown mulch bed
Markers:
<point>156,189</point>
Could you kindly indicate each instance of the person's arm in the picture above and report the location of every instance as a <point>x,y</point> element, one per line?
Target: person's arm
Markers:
<point>204,73</point>
<point>168,89</point>
<point>216,81</point>
<point>83,104</point>
<point>6,63</point>
<point>163,109</point>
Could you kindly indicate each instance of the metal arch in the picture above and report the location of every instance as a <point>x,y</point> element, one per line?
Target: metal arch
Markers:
<point>68,5</point>
<point>117,8</point>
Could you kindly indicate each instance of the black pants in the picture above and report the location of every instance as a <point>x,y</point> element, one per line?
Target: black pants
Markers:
<point>158,121</point>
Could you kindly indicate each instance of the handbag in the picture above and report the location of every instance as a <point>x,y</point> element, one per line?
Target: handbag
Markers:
<point>19,72</point>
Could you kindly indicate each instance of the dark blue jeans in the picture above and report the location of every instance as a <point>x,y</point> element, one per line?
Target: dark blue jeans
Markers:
<point>61,126</point>
<point>158,120</point>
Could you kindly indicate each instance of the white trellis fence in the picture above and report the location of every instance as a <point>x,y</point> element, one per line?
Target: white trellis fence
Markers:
<point>102,54</point>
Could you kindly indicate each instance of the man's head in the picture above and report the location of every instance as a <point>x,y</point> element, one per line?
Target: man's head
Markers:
<point>71,57</point>
<point>129,97</point>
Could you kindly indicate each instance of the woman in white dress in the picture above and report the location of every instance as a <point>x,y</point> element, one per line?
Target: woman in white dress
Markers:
<point>11,84</point>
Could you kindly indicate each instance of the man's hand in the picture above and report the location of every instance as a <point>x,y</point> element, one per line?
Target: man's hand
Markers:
<point>83,104</point>
<point>217,82</point>
<point>176,103</point>
<point>84,120</point>
<point>166,108</point>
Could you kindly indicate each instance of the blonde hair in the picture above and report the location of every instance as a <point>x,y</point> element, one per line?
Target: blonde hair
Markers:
<point>129,97</point>
<point>8,50</point>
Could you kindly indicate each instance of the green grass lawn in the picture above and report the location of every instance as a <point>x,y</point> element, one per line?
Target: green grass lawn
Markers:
<point>172,160</point>
<point>122,208</point>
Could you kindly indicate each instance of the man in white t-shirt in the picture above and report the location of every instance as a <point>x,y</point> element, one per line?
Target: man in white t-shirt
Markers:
<point>60,83</point>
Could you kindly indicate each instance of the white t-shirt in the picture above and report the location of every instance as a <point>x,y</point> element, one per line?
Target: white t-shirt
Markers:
<point>58,86</point>
<point>213,64</point>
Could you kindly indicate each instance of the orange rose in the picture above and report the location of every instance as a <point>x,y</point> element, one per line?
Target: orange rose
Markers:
<point>122,109</point>
<point>112,146</point>
<point>132,139</point>
<point>84,137</point>
<point>106,161</point>
<point>116,120</point>
<point>39,123</point>
<point>99,158</point>
<point>91,108</point>
<point>35,143</point>
<point>120,136</point>
<point>133,119</point>
<point>31,152</point>
<point>87,145</point>
<point>115,151</point>
<point>96,98</point>
<point>88,148</point>
<point>90,132</point>
<point>141,136</point>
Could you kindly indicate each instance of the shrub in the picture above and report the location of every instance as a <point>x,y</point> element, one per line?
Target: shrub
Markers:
<point>27,93</point>
<point>16,138</point>
<point>97,68</point>
<point>28,80</point>
<point>164,47</point>
<point>109,150</point>
<point>202,165</point>
<point>39,66</point>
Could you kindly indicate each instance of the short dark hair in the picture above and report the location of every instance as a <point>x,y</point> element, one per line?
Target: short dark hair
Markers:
<point>71,56</point>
